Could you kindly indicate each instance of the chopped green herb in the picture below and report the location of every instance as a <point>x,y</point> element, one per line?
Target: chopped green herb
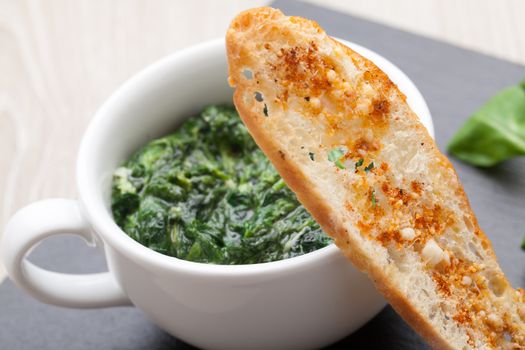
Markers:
<point>369,167</point>
<point>523,245</point>
<point>279,185</point>
<point>265,110</point>
<point>359,163</point>
<point>311,155</point>
<point>339,164</point>
<point>373,198</point>
<point>335,156</point>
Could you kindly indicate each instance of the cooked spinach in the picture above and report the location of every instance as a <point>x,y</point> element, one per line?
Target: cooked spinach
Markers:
<point>207,193</point>
<point>495,132</point>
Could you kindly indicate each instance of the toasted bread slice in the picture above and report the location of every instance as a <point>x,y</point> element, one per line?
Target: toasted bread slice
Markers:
<point>344,139</point>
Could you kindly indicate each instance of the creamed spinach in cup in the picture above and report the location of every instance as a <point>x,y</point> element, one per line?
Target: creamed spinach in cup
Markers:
<point>207,193</point>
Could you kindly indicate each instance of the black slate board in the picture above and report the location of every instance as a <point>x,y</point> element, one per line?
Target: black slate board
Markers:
<point>454,81</point>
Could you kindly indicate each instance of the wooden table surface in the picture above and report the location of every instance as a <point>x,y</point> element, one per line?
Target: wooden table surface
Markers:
<point>60,59</point>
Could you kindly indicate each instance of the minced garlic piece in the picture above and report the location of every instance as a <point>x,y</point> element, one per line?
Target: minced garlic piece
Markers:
<point>494,320</point>
<point>433,254</point>
<point>407,233</point>
<point>316,103</point>
<point>331,75</point>
<point>466,281</point>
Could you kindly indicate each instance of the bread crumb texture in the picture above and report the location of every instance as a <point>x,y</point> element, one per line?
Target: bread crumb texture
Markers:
<point>344,139</point>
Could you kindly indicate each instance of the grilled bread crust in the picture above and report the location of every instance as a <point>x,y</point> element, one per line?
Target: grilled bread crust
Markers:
<point>343,138</point>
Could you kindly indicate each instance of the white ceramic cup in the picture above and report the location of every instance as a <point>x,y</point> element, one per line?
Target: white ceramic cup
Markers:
<point>299,303</point>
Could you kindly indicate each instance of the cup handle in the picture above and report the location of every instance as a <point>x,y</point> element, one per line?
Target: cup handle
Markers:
<point>28,227</point>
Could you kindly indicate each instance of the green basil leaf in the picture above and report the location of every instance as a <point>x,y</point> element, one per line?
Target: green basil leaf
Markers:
<point>495,132</point>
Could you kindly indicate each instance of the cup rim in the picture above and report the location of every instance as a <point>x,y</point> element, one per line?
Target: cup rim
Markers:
<point>110,233</point>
